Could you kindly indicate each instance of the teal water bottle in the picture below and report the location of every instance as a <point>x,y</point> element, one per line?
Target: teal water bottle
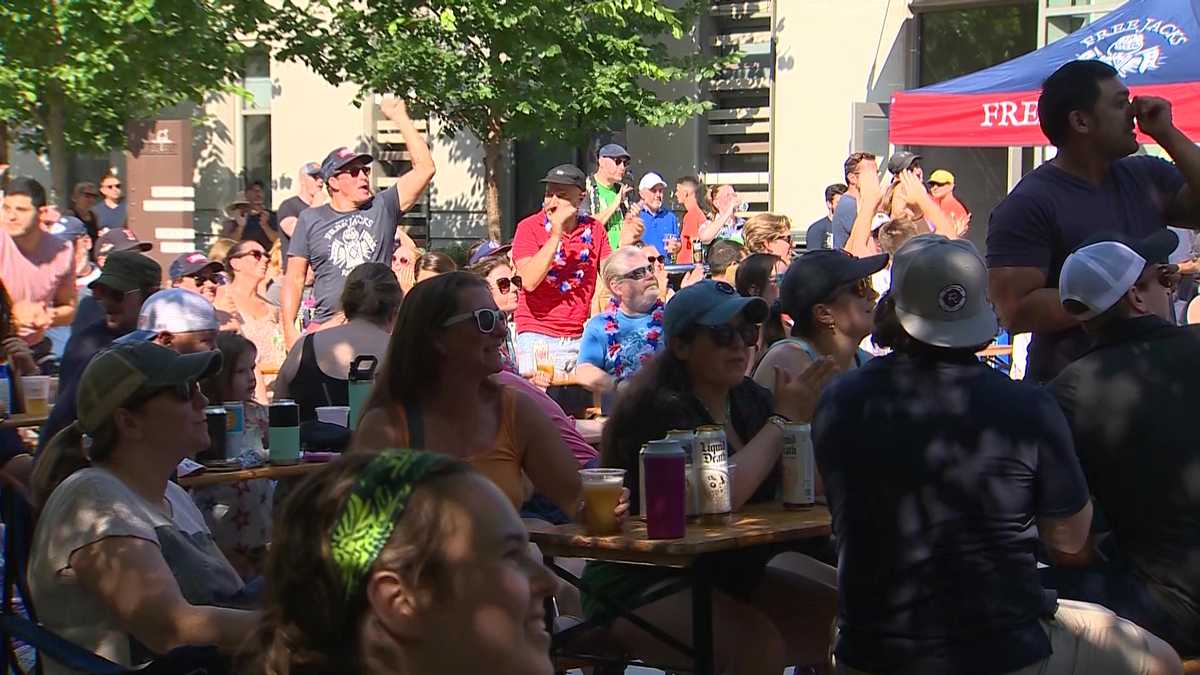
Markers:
<point>283,435</point>
<point>362,378</point>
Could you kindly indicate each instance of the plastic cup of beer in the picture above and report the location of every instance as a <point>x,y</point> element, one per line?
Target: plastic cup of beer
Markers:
<point>37,395</point>
<point>601,494</point>
<point>543,361</point>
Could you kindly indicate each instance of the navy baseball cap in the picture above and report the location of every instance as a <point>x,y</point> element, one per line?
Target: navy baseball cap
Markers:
<point>813,276</point>
<point>566,174</point>
<point>613,150</point>
<point>192,262</point>
<point>488,249</point>
<point>68,228</point>
<point>340,157</point>
<point>709,303</point>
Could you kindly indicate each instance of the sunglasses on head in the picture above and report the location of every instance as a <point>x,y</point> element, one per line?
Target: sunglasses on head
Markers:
<point>355,171</point>
<point>639,273</point>
<point>486,320</point>
<point>504,285</point>
<point>727,334</point>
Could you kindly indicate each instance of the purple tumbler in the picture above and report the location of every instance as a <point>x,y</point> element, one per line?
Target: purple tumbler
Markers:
<point>665,489</point>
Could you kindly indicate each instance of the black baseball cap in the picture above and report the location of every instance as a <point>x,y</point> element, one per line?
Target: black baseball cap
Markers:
<point>566,174</point>
<point>128,270</point>
<point>340,157</point>
<point>1156,248</point>
<point>813,276</point>
<point>902,160</point>
<point>120,239</point>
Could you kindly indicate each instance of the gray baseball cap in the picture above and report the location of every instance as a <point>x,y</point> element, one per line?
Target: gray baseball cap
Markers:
<point>613,150</point>
<point>940,289</point>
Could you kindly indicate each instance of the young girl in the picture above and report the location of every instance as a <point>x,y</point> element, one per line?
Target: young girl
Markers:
<point>239,514</point>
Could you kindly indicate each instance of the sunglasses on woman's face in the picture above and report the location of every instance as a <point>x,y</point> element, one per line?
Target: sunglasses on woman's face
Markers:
<point>487,321</point>
<point>258,255</point>
<point>727,334</point>
<point>505,285</point>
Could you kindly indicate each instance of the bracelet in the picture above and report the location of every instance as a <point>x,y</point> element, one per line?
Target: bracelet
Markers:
<point>779,421</point>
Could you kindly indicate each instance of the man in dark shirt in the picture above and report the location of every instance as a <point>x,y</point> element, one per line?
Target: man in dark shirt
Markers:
<point>127,279</point>
<point>820,234</point>
<point>310,194</point>
<point>1092,185</point>
<point>942,476</point>
<point>1127,401</point>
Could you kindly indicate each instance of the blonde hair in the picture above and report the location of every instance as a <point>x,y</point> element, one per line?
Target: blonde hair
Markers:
<point>275,261</point>
<point>763,228</point>
<point>220,249</point>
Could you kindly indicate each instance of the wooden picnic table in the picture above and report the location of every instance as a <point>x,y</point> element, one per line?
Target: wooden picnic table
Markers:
<point>756,525</point>
<point>22,420</point>
<point>207,478</point>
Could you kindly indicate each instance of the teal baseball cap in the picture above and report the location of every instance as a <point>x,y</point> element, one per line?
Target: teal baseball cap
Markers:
<point>710,303</point>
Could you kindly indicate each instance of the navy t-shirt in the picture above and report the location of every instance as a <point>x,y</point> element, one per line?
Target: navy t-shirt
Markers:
<point>1051,212</point>
<point>818,234</point>
<point>843,220</point>
<point>936,471</point>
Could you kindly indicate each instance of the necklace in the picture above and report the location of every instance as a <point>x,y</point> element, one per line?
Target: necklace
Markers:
<point>558,266</point>
<point>646,350</point>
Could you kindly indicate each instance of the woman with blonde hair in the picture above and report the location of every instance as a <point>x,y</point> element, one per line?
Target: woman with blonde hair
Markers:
<point>769,233</point>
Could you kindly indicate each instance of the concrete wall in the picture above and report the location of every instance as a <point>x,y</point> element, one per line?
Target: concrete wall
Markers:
<point>457,209</point>
<point>830,54</point>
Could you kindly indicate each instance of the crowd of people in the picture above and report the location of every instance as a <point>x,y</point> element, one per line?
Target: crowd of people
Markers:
<point>981,524</point>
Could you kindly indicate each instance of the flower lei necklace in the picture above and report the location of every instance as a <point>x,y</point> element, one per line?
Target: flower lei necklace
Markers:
<point>653,336</point>
<point>560,261</point>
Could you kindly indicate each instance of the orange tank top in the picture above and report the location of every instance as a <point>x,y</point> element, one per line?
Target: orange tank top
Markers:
<point>502,462</point>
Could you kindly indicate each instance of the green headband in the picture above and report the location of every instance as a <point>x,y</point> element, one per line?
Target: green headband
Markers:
<point>378,500</point>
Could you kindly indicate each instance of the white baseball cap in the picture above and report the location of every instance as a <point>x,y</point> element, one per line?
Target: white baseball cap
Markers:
<point>651,180</point>
<point>176,310</point>
<point>1097,275</point>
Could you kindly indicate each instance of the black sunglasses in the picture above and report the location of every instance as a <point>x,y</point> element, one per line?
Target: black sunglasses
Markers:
<point>504,285</point>
<point>215,277</point>
<point>355,171</point>
<point>184,393</point>
<point>657,259</point>
<point>726,335</point>
<point>486,320</point>
<point>114,185</point>
<point>639,273</point>
<point>101,291</point>
<point>620,160</point>
<point>258,255</point>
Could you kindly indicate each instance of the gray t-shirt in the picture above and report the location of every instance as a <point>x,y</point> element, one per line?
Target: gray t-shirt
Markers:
<point>843,220</point>
<point>336,242</point>
<point>93,504</point>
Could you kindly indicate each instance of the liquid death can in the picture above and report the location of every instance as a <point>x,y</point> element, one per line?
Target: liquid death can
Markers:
<point>799,467</point>
<point>687,441</point>
<point>712,473</point>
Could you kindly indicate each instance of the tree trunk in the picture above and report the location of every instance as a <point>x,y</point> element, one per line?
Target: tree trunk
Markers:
<point>491,165</point>
<point>56,143</point>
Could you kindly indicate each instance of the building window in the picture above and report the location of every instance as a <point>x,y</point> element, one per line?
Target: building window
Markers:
<point>256,120</point>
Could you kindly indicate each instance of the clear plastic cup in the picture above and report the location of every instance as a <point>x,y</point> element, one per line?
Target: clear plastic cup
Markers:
<point>601,494</point>
<point>36,389</point>
<point>334,414</point>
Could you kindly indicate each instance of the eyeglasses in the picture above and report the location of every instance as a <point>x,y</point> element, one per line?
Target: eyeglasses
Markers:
<point>258,255</point>
<point>639,273</point>
<point>355,171</point>
<point>486,320</point>
<point>727,334</point>
<point>661,259</point>
<point>504,285</point>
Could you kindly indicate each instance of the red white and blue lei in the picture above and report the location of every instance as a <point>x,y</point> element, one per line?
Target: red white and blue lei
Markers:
<point>647,349</point>
<point>559,264</point>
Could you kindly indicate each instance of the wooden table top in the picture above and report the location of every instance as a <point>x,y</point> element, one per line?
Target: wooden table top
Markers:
<point>995,350</point>
<point>206,478</point>
<point>754,525</point>
<point>22,420</point>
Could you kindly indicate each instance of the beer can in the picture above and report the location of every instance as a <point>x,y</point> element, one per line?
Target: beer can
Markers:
<point>687,439</point>
<point>214,415</point>
<point>235,427</point>
<point>799,467</point>
<point>697,251</point>
<point>712,471</point>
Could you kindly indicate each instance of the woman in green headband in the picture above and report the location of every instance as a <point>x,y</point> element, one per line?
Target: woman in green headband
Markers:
<point>404,563</point>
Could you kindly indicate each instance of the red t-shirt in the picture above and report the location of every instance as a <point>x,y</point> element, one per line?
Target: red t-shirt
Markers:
<point>692,220</point>
<point>561,304</point>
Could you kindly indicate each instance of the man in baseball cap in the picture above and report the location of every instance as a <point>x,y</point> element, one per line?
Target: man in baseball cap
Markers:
<point>1126,401</point>
<point>660,223</point>
<point>194,272</point>
<point>606,197</point>
<point>119,239</point>
<point>557,253</point>
<point>179,319</point>
<point>903,160</point>
<point>111,311</point>
<point>930,430</point>
<point>941,189</point>
<point>310,193</point>
<point>74,231</point>
<point>355,226</point>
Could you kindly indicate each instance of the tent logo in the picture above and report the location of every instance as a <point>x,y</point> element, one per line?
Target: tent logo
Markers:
<point>1130,53</point>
